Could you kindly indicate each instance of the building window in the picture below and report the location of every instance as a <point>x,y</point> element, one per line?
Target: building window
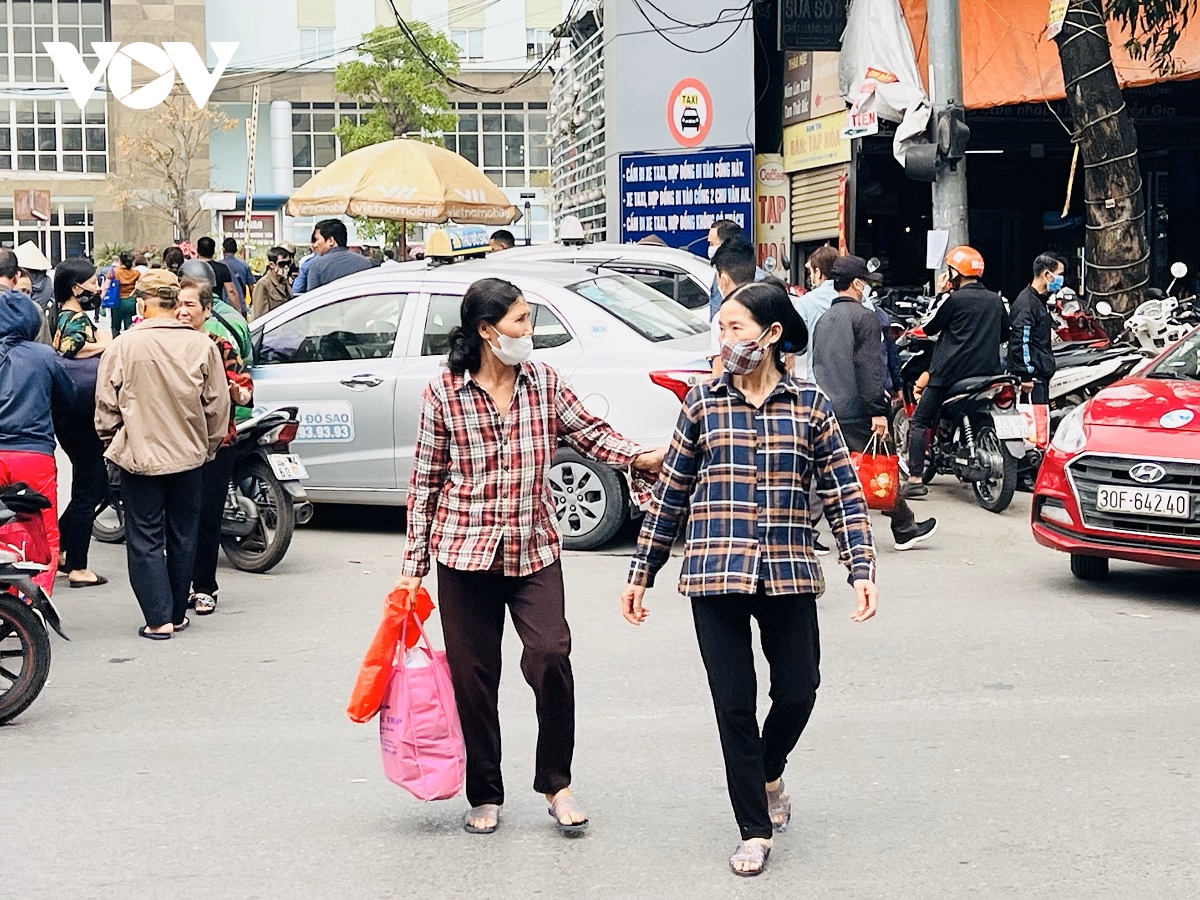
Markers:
<point>470,43</point>
<point>314,144</point>
<point>25,27</point>
<point>316,43</point>
<point>538,42</point>
<point>506,140</point>
<point>53,136</point>
<point>70,231</point>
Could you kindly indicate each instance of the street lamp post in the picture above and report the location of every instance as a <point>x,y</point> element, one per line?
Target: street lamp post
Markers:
<point>946,88</point>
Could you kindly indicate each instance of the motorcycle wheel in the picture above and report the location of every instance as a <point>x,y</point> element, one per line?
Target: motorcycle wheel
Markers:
<point>900,429</point>
<point>23,639</point>
<point>262,550</point>
<point>997,492</point>
<point>109,525</point>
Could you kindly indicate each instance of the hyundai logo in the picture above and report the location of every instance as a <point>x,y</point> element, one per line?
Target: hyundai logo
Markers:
<point>1148,473</point>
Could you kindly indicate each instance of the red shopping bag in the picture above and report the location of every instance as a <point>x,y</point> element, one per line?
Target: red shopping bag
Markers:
<point>1037,417</point>
<point>879,473</point>
<point>376,667</point>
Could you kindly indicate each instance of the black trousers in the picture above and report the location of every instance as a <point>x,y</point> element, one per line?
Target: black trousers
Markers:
<point>926,416</point>
<point>791,643</point>
<point>214,488</point>
<point>473,606</point>
<point>858,436</point>
<point>89,486</point>
<point>162,516</point>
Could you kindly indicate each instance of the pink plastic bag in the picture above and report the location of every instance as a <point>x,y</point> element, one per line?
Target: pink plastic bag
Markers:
<point>420,735</point>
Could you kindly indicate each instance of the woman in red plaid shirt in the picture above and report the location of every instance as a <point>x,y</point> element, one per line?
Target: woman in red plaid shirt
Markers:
<point>746,451</point>
<point>479,503</point>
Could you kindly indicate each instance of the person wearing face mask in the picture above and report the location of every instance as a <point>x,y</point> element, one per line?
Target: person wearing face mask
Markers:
<point>1030,352</point>
<point>79,343</point>
<point>971,323</point>
<point>720,233</point>
<point>746,449</point>
<point>275,287</point>
<point>815,302</point>
<point>848,360</point>
<point>480,506</point>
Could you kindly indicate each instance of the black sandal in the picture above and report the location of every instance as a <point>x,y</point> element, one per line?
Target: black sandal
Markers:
<point>154,635</point>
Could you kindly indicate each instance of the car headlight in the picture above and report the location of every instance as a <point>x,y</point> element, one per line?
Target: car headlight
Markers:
<point>1070,436</point>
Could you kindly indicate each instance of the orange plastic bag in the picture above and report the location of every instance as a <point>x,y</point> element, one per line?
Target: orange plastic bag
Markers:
<point>879,473</point>
<point>376,667</point>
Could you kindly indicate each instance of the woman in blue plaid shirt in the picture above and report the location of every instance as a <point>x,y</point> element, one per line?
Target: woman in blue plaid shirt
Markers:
<point>745,452</point>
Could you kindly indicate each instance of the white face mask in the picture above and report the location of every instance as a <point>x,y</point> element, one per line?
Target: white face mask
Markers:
<point>512,351</point>
<point>712,251</point>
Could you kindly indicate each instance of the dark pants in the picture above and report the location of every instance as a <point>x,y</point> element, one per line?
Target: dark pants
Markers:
<point>89,486</point>
<point>473,623</point>
<point>858,436</point>
<point>1040,395</point>
<point>214,488</point>
<point>122,315</point>
<point>926,417</point>
<point>792,645</point>
<point>162,515</point>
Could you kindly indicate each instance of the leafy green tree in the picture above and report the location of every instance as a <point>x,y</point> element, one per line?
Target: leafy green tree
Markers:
<point>1118,248</point>
<point>408,97</point>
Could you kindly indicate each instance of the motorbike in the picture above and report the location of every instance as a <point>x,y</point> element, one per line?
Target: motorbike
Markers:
<point>265,500</point>
<point>26,614</point>
<point>1074,323</point>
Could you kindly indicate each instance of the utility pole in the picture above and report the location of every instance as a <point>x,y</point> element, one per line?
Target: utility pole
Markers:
<point>945,64</point>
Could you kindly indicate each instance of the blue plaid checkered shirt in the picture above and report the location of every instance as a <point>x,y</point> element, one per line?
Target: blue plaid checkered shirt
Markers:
<point>741,477</point>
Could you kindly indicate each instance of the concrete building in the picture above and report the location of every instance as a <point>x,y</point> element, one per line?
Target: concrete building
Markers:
<point>289,48</point>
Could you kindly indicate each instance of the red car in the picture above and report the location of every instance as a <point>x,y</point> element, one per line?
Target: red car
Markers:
<point>1121,479</point>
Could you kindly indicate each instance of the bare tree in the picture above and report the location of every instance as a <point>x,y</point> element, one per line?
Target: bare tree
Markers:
<point>163,169</point>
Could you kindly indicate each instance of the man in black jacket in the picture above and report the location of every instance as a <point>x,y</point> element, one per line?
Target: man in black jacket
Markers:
<point>1030,355</point>
<point>972,323</point>
<point>848,366</point>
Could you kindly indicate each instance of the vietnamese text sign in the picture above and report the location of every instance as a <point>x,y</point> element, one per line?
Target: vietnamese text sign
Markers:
<point>810,145</point>
<point>810,86</point>
<point>811,24</point>
<point>772,214</point>
<point>677,196</point>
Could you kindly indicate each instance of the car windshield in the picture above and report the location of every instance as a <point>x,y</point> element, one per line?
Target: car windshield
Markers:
<point>1183,362</point>
<point>645,310</point>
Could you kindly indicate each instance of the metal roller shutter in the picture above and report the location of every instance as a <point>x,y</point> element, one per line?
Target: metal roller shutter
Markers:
<point>815,203</point>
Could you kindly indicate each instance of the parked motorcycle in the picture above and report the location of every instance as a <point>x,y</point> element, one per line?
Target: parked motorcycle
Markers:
<point>265,501</point>
<point>25,615</point>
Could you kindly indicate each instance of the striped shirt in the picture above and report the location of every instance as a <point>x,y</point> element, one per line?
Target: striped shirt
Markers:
<point>744,474</point>
<point>480,484</point>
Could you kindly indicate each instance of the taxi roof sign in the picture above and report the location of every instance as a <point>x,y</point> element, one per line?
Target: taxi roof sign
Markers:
<point>462,240</point>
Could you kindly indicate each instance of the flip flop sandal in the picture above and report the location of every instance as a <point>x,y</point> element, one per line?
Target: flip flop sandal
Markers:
<point>183,626</point>
<point>100,579</point>
<point>562,805</point>
<point>751,852</point>
<point>779,806</point>
<point>204,604</point>
<point>154,635</point>
<point>485,811</point>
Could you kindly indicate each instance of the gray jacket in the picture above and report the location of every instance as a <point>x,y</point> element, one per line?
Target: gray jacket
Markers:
<point>847,362</point>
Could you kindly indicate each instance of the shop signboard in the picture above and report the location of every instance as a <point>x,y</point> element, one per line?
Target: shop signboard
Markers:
<point>262,229</point>
<point>811,24</point>
<point>772,214</point>
<point>810,86</point>
<point>816,143</point>
<point>678,195</point>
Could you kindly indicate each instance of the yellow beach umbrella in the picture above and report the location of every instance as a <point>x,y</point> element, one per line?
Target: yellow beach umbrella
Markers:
<point>404,180</point>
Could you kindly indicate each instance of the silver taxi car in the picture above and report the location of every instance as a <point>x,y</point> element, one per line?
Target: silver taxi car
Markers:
<point>354,357</point>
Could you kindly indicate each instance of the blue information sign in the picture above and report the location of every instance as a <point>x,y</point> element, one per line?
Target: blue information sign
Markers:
<point>677,196</point>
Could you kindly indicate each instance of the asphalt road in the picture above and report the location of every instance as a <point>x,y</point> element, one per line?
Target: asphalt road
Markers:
<point>998,730</point>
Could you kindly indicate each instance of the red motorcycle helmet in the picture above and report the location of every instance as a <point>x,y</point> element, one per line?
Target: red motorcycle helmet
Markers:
<point>966,261</point>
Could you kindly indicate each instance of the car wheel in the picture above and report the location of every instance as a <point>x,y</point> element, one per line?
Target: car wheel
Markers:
<point>1089,568</point>
<point>590,501</point>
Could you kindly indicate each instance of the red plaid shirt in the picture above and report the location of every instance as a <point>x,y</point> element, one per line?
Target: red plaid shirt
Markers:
<point>479,484</point>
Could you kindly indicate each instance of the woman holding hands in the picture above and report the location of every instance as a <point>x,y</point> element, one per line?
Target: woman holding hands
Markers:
<point>479,503</point>
<point>746,449</point>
